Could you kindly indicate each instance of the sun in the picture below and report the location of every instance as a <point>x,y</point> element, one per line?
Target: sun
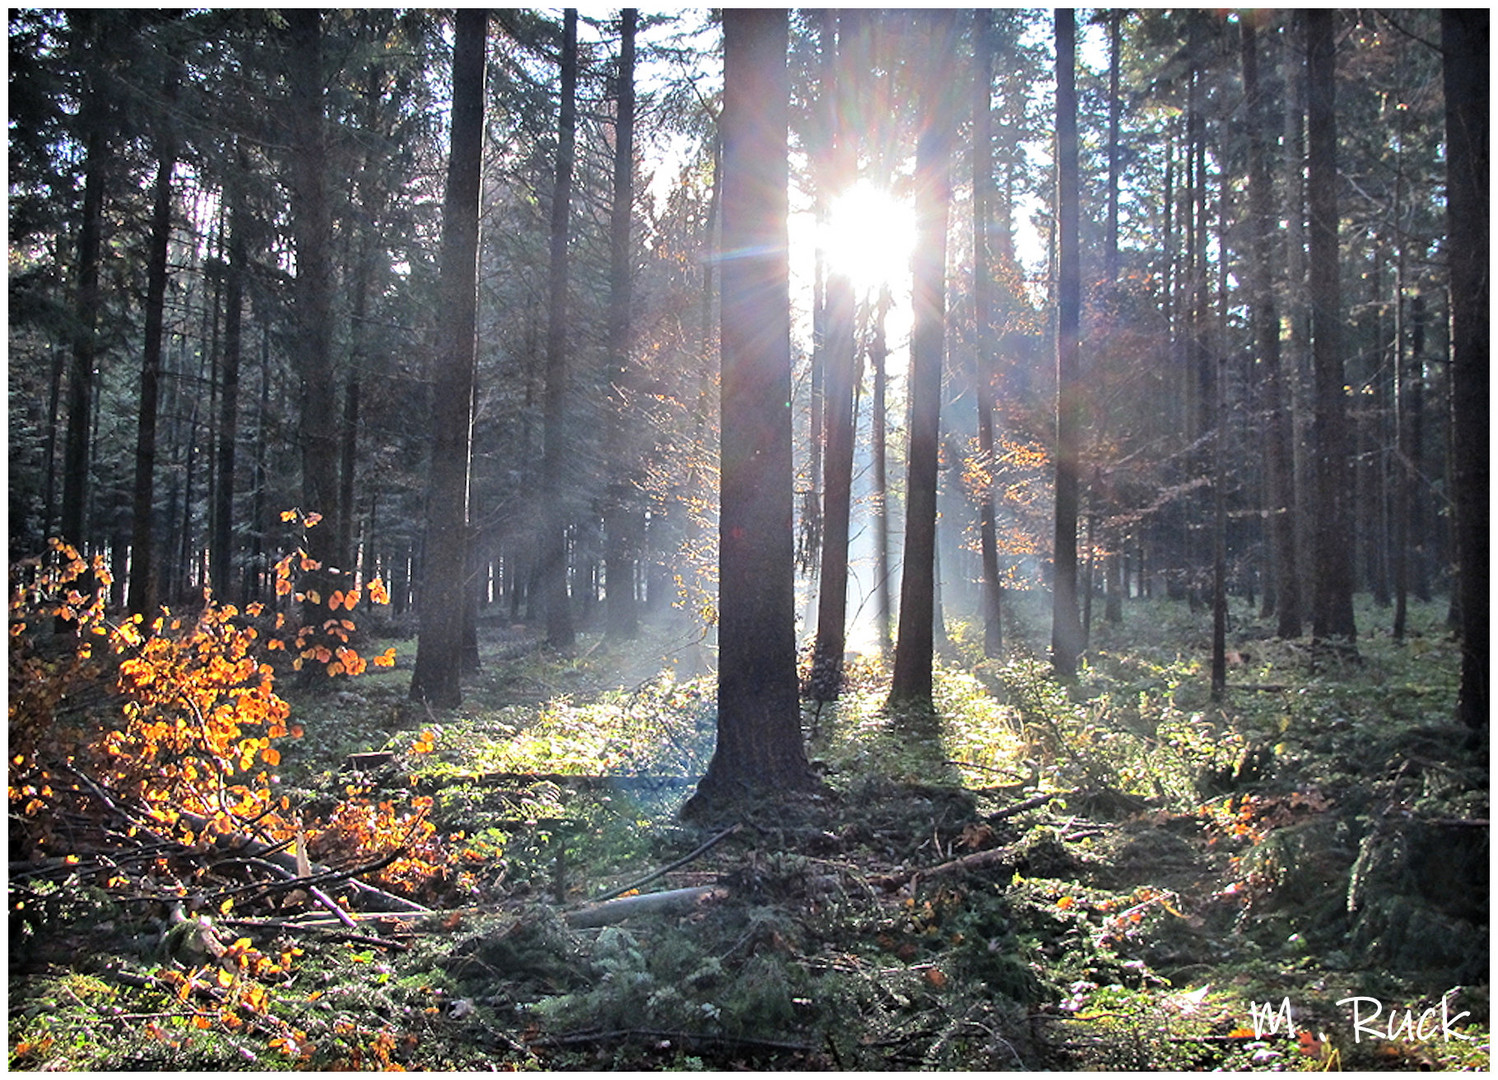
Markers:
<point>869,235</point>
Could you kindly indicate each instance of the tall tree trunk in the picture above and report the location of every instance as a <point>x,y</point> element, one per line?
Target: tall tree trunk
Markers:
<point>1296,370</point>
<point>878,437</point>
<point>221,551</point>
<point>141,598</point>
<point>559,629</point>
<point>1066,629</point>
<point>759,748</point>
<point>75,485</point>
<point>1333,614</point>
<point>1113,565</point>
<point>911,684</point>
<point>993,628</point>
<point>1419,534</point>
<point>840,377</point>
<point>49,485</point>
<point>623,527</point>
<point>1278,457</point>
<point>1464,49</point>
<point>313,350</point>
<point>436,679</point>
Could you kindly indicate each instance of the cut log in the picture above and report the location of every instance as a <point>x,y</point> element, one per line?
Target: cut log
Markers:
<point>671,902</point>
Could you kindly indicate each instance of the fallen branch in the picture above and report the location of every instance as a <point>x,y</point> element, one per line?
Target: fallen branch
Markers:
<point>671,902</point>
<point>330,928</point>
<point>686,1038</point>
<point>979,860</point>
<point>575,781</point>
<point>678,864</point>
<point>1027,804</point>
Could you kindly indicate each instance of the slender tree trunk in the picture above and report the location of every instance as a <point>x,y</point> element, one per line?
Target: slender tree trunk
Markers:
<point>878,360</point>
<point>559,629</point>
<point>141,598</point>
<point>1419,534</point>
<point>54,399</point>
<point>1401,480</point>
<point>436,679</point>
<point>1464,49</point>
<point>221,551</point>
<point>1333,615</point>
<point>993,629</point>
<point>759,748</point>
<point>1278,456</point>
<point>1113,561</point>
<point>840,376</point>
<point>1066,629</point>
<point>624,530</point>
<point>1296,370</point>
<point>911,684</point>
<point>75,486</point>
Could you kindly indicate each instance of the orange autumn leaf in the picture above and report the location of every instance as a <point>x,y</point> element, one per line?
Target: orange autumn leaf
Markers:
<point>1065,902</point>
<point>935,977</point>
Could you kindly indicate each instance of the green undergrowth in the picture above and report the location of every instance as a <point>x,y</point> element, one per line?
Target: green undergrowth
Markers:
<point>1117,874</point>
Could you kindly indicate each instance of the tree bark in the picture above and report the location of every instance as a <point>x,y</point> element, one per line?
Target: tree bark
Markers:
<point>1278,457</point>
<point>993,629</point>
<point>221,551</point>
<point>878,437</point>
<point>141,598</point>
<point>436,679</point>
<point>85,346</point>
<point>1066,628</point>
<point>839,380</point>
<point>911,684</point>
<point>1464,48</point>
<point>624,531</point>
<point>759,748</point>
<point>560,633</point>
<point>1333,613</point>
<point>313,348</point>
<point>1113,565</point>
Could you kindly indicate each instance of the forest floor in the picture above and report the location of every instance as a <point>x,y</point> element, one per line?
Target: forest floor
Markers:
<point>1124,875</point>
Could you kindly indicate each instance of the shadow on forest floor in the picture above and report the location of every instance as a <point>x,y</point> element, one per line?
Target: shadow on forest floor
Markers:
<point>1118,875</point>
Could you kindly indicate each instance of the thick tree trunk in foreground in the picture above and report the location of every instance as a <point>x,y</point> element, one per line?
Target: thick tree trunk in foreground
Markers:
<point>910,686</point>
<point>1066,628</point>
<point>443,592</point>
<point>1464,47</point>
<point>759,747</point>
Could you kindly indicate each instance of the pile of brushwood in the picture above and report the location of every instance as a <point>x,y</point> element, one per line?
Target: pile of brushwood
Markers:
<point>1122,874</point>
